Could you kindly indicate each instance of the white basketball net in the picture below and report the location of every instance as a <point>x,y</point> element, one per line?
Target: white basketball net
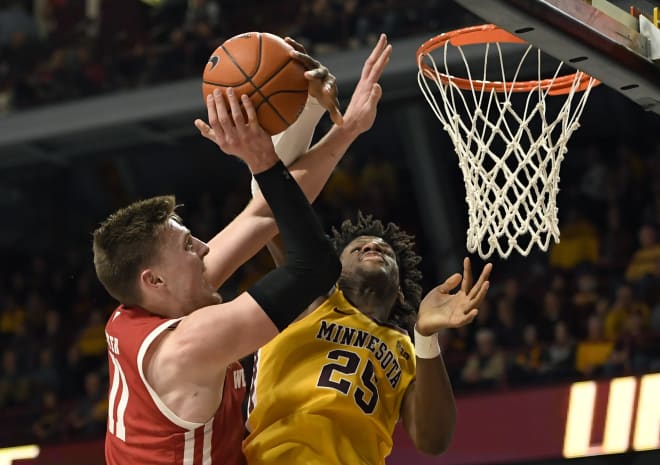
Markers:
<point>511,193</point>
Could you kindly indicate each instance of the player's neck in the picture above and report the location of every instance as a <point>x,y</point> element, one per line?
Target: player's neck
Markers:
<point>374,301</point>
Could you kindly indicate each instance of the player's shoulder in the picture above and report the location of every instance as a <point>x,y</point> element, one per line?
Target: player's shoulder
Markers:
<point>131,323</point>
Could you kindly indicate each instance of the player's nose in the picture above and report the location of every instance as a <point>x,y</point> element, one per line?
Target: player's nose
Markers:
<point>371,246</point>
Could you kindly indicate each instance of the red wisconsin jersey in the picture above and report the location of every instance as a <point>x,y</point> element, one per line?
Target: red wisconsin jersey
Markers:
<point>142,430</point>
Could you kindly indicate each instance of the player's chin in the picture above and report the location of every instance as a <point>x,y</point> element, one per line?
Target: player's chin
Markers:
<point>374,271</point>
<point>373,265</point>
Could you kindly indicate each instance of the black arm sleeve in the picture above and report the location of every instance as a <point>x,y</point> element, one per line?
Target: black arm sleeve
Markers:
<point>312,266</point>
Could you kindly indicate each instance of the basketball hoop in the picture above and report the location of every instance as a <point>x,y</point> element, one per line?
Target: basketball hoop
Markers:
<point>509,158</point>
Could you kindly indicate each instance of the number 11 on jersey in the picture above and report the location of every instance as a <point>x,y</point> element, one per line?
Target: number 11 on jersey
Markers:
<point>117,409</point>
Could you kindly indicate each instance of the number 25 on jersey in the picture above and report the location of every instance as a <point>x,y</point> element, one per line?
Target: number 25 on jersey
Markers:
<point>339,375</point>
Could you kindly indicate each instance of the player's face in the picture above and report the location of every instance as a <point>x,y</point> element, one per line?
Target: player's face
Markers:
<point>181,266</point>
<point>370,256</point>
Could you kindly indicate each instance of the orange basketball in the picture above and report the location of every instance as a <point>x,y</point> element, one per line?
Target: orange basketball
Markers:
<point>258,64</point>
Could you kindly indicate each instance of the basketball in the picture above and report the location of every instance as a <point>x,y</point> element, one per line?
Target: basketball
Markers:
<point>258,64</point>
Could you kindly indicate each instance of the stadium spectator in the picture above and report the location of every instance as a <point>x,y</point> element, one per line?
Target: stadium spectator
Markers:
<point>14,382</point>
<point>625,306</point>
<point>49,425</point>
<point>560,363</point>
<point>507,326</point>
<point>634,349</point>
<point>486,365</point>
<point>642,270</point>
<point>15,21</point>
<point>88,418</point>
<point>579,242</point>
<point>527,361</point>
<point>594,350</point>
<point>552,312</point>
<point>616,245</point>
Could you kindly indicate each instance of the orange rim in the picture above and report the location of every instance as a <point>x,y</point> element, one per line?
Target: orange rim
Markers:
<point>490,33</point>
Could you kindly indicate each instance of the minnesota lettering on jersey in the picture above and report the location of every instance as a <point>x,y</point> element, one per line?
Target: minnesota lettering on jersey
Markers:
<point>353,337</point>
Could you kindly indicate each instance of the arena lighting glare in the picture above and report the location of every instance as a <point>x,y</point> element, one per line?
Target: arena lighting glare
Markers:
<point>9,454</point>
<point>621,412</point>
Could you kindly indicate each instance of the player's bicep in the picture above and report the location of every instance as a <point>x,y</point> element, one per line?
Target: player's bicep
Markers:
<point>220,334</point>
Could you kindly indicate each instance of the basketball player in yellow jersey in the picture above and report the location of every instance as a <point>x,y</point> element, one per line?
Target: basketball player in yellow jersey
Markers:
<point>330,388</point>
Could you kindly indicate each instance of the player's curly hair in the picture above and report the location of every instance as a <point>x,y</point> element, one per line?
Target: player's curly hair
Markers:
<point>410,276</point>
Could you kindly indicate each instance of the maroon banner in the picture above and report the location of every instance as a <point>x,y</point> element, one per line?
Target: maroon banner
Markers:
<point>582,419</point>
<point>498,428</point>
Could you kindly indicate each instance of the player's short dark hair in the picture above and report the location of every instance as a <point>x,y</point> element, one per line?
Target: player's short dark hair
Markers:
<point>126,241</point>
<point>410,276</point>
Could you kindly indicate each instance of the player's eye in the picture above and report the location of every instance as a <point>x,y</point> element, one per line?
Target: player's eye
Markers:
<point>189,243</point>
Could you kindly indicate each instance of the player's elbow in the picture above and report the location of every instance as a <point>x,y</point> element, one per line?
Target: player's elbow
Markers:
<point>437,440</point>
<point>433,444</point>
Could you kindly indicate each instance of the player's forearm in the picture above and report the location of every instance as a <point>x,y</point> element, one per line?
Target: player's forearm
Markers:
<point>295,141</point>
<point>312,173</point>
<point>311,265</point>
<point>313,170</point>
<point>435,409</point>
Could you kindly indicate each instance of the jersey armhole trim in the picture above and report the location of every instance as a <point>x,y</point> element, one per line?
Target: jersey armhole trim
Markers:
<point>252,395</point>
<point>164,409</point>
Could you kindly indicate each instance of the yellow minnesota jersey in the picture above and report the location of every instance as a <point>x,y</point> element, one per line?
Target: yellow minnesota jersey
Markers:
<point>328,390</point>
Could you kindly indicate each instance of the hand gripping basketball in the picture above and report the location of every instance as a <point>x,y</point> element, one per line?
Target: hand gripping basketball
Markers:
<point>260,65</point>
<point>322,83</point>
<point>235,133</point>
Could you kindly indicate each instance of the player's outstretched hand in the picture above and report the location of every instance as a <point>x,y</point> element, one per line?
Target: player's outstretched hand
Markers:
<point>237,133</point>
<point>440,309</point>
<point>361,111</point>
<point>322,83</point>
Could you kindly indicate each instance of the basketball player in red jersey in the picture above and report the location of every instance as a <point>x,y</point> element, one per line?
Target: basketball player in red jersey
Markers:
<point>175,388</point>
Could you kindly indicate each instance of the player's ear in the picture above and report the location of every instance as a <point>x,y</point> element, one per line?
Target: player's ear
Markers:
<point>150,279</point>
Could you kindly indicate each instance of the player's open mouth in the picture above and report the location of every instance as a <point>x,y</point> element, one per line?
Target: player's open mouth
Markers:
<point>372,256</point>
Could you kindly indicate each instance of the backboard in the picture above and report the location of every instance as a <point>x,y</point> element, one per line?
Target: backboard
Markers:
<point>594,36</point>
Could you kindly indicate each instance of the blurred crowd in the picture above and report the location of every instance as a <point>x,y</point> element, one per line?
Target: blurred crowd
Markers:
<point>54,50</point>
<point>591,307</point>
<point>588,308</point>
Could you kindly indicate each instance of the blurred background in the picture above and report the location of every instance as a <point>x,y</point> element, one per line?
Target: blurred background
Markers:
<point>97,103</point>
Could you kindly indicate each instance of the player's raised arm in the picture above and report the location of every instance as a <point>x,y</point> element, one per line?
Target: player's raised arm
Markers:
<point>217,335</point>
<point>253,227</point>
<point>428,409</point>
